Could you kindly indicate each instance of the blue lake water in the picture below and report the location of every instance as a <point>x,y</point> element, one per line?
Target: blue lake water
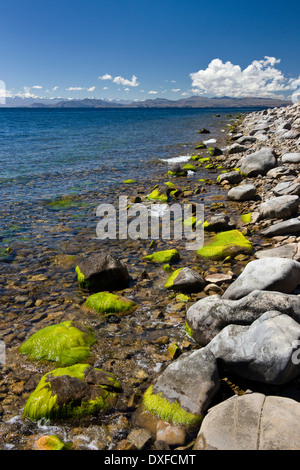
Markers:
<point>45,153</point>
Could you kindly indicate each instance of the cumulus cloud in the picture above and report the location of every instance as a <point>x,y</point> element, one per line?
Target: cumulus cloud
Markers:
<point>37,87</point>
<point>121,80</point>
<point>152,92</point>
<point>92,88</point>
<point>75,88</point>
<point>261,78</point>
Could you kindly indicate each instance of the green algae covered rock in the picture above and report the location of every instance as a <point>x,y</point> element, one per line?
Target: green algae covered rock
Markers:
<point>165,256</point>
<point>129,181</point>
<point>74,391</point>
<point>185,280</point>
<point>51,442</point>
<point>189,166</point>
<point>105,302</point>
<point>168,411</point>
<point>225,244</point>
<point>64,343</point>
<point>157,195</point>
<point>246,218</point>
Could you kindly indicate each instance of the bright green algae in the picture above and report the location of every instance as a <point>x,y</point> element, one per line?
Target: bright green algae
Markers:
<point>105,302</point>
<point>229,243</point>
<point>170,281</point>
<point>158,196</point>
<point>81,279</point>
<point>159,406</point>
<point>43,404</point>
<point>63,343</point>
<point>165,256</point>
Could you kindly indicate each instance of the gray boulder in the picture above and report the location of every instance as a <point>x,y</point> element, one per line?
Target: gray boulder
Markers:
<point>237,148</point>
<point>274,274</point>
<point>219,223</point>
<point>281,207</point>
<point>187,281</point>
<point>246,139</point>
<point>207,317</point>
<point>281,171</point>
<point>286,227</point>
<point>244,192</point>
<point>191,380</point>
<point>251,421</point>
<point>293,157</point>
<point>263,351</point>
<point>258,163</point>
<point>292,134</point>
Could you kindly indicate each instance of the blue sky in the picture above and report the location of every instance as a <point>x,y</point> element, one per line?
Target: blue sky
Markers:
<point>144,49</point>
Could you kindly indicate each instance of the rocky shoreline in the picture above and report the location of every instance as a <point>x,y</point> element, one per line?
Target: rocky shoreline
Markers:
<point>180,351</point>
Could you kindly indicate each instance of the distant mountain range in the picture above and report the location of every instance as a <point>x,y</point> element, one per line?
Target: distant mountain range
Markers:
<point>191,102</point>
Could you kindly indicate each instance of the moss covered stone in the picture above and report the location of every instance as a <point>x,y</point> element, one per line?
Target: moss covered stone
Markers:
<point>159,406</point>
<point>105,302</point>
<point>64,343</point>
<point>165,256</point>
<point>189,166</point>
<point>157,195</point>
<point>228,243</point>
<point>74,391</point>
<point>246,218</point>
<point>129,181</point>
<point>170,281</point>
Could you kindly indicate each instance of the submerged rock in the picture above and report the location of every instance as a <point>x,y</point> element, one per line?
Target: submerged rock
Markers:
<point>74,391</point>
<point>275,274</point>
<point>65,343</point>
<point>105,302</point>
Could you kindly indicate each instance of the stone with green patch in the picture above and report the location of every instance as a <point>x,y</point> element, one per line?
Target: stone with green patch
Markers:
<point>229,243</point>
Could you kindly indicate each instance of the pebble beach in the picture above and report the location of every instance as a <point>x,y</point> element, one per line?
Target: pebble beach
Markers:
<point>144,345</point>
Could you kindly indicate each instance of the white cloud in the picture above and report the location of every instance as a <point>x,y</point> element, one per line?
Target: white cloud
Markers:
<point>175,90</point>
<point>55,88</point>
<point>260,78</point>
<point>106,77</point>
<point>105,88</point>
<point>152,92</point>
<point>75,88</point>
<point>92,88</point>
<point>37,87</point>
<point>121,80</point>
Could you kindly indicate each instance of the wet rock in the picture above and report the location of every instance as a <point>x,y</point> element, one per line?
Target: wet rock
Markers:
<point>281,207</point>
<point>261,352</point>
<point>172,435</point>
<point>207,317</point>
<point>218,223</point>
<point>185,280</point>
<point>233,177</point>
<point>243,192</point>
<point>229,243</point>
<point>251,422</point>
<point>140,438</point>
<point>258,163</point>
<point>102,272</point>
<point>275,274</point>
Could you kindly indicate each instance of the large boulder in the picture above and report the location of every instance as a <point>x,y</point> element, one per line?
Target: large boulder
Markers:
<point>184,390</point>
<point>251,421</point>
<point>289,250</point>
<point>229,243</point>
<point>291,157</point>
<point>208,316</point>
<point>274,274</point>
<point>263,351</point>
<point>102,272</point>
<point>281,207</point>
<point>258,163</point>
<point>287,187</point>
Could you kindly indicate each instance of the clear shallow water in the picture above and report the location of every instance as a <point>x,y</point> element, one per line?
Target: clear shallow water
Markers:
<point>46,153</point>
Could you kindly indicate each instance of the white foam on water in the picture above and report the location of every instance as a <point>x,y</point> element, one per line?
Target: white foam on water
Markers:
<point>180,159</point>
<point>209,141</point>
